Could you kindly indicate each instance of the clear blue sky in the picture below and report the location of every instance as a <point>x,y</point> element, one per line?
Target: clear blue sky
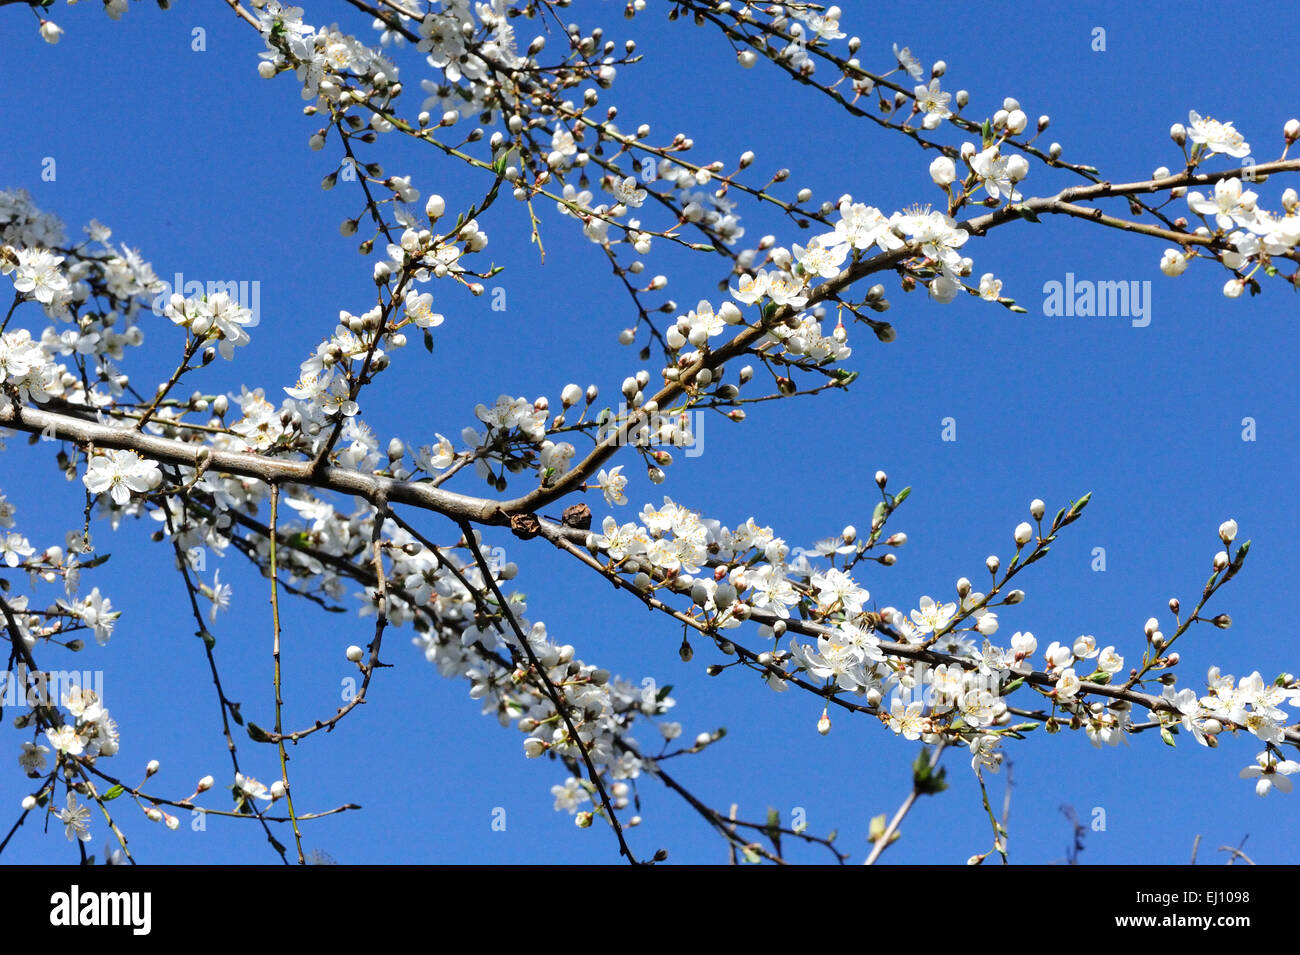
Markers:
<point>204,167</point>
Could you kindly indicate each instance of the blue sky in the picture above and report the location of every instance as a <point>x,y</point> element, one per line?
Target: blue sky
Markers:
<point>204,167</point>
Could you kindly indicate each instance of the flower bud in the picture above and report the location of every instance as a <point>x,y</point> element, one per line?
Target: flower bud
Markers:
<point>1037,509</point>
<point>824,724</point>
<point>943,172</point>
<point>205,784</point>
<point>992,563</point>
<point>1024,533</point>
<point>152,768</point>
<point>1227,531</point>
<point>730,313</point>
<point>1178,133</point>
<point>354,653</point>
<point>1173,263</point>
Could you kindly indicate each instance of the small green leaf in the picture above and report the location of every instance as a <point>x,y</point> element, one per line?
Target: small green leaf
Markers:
<point>257,734</point>
<point>113,792</point>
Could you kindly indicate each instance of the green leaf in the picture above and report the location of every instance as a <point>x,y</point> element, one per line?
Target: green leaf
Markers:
<point>1167,736</point>
<point>902,495</point>
<point>773,828</point>
<point>428,341</point>
<point>257,734</point>
<point>663,692</point>
<point>1026,213</point>
<point>113,792</point>
<point>925,779</point>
